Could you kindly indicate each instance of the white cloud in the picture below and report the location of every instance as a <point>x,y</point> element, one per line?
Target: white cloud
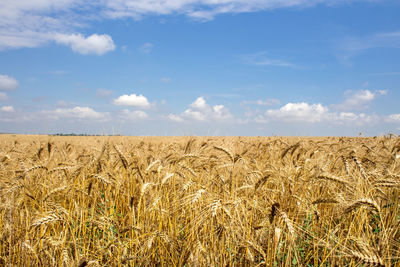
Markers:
<point>199,103</point>
<point>352,118</point>
<point>393,118</point>
<point>348,116</point>
<point>10,39</point>
<point>97,44</point>
<point>393,73</point>
<point>132,100</point>
<point>260,119</point>
<point>194,114</point>
<point>260,102</point>
<point>382,92</point>
<point>166,80</point>
<point>93,44</point>
<point>134,115</point>
<point>359,100</point>
<point>61,103</point>
<point>199,9</point>
<point>262,59</point>
<point>26,23</point>
<point>378,40</point>
<point>58,72</point>
<point>199,110</point>
<point>299,112</point>
<point>146,48</point>
<point>8,83</point>
<point>3,96</point>
<point>314,113</point>
<point>7,109</point>
<point>220,112</point>
<point>353,46</point>
<point>175,118</point>
<point>103,92</point>
<point>268,102</point>
<point>77,112</point>
<point>32,23</point>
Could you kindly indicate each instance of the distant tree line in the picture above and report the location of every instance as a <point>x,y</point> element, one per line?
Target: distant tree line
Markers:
<point>82,134</point>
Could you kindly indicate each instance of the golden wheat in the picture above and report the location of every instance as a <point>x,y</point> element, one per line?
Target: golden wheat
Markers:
<point>186,201</point>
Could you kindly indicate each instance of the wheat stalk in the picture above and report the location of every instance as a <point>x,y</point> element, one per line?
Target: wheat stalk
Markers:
<point>226,151</point>
<point>52,217</point>
<point>362,202</point>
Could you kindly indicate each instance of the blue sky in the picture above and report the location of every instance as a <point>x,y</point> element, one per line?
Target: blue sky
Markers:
<point>200,67</point>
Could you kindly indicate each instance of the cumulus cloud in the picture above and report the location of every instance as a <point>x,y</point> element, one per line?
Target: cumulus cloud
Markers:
<point>313,113</point>
<point>194,115</point>
<point>7,109</point>
<point>199,103</point>
<point>77,112</point>
<point>359,99</point>
<point>199,110</point>
<point>146,48</point>
<point>299,112</point>
<point>93,44</point>
<point>134,115</point>
<point>132,100</point>
<point>7,83</point>
<point>220,112</point>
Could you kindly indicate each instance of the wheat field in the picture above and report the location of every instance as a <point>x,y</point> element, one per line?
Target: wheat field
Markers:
<point>199,201</point>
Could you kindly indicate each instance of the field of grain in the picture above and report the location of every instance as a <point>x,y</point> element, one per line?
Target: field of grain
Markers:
<point>183,201</point>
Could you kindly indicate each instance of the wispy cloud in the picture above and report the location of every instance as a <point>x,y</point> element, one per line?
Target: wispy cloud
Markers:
<point>393,118</point>
<point>261,102</point>
<point>394,73</point>
<point>166,80</point>
<point>133,115</point>
<point>358,100</point>
<point>201,9</point>
<point>263,59</point>
<point>353,46</point>
<point>146,48</point>
<point>76,112</point>
<point>33,23</point>
<point>3,96</point>
<point>58,72</point>
<point>103,93</point>
<point>378,40</point>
